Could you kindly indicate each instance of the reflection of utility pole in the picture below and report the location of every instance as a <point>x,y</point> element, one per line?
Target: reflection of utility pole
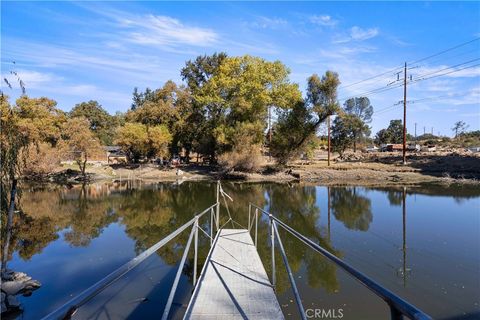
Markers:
<point>404,271</point>
<point>328,144</point>
<point>328,212</point>
<point>404,212</point>
<point>405,114</point>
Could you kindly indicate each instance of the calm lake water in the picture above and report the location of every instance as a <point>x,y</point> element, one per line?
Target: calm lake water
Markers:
<point>423,243</point>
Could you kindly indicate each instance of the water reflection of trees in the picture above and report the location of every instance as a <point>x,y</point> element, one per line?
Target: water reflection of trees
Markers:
<point>299,210</point>
<point>149,213</point>
<point>351,207</point>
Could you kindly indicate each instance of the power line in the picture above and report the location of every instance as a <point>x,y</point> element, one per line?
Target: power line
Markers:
<point>393,106</point>
<point>447,58</point>
<point>416,61</point>
<point>372,92</point>
<point>457,65</point>
<point>372,77</point>
<point>425,76</point>
<point>441,97</point>
<point>446,50</point>
<point>443,74</point>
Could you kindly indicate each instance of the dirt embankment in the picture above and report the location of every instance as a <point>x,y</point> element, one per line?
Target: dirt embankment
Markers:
<point>359,169</point>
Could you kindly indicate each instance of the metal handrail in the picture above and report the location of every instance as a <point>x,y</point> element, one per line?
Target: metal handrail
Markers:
<point>67,310</point>
<point>289,272</point>
<point>398,306</point>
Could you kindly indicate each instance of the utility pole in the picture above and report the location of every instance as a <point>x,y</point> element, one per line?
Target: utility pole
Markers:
<point>432,131</point>
<point>269,133</point>
<point>423,130</point>
<point>328,145</point>
<point>405,114</point>
<point>415,132</point>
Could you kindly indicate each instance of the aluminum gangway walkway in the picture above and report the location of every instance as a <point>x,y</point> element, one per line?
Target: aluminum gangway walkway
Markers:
<point>233,283</point>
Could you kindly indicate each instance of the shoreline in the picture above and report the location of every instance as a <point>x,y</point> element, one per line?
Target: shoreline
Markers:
<point>364,169</point>
<point>339,174</point>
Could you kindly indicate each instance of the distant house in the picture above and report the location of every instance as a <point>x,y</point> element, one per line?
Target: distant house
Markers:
<point>115,155</point>
<point>391,147</point>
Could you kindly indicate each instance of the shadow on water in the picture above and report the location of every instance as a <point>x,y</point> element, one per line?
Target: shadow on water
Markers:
<point>105,225</point>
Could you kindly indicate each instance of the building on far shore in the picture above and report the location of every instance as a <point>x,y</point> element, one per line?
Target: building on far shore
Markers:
<point>111,155</point>
<point>115,155</point>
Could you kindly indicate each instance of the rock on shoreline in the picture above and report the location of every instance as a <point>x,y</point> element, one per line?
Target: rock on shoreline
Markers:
<point>14,283</point>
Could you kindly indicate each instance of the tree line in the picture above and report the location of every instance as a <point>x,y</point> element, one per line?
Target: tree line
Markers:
<point>219,111</point>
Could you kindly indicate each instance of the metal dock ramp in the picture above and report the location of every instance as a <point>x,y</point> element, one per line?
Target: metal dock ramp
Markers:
<point>233,283</point>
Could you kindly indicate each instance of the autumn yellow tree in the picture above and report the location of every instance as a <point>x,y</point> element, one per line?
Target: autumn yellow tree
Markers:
<point>79,143</point>
<point>138,140</point>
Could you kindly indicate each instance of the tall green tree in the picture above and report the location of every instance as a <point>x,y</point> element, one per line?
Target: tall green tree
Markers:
<point>170,106</point>
<point>382,137</point>
<point>362,111</point>
<point>202,118</point>
<point>139,98</point>
<point>345,130</point>
<point>393,134</point>
<point>101,122</point>
<point>292,127</point>
<point>297,126</point>
<point>234,95</point>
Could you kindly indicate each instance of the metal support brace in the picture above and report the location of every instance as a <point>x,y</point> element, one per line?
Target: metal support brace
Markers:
<point>166,311</point>
<point>272,244</point>
<point>290,275</point>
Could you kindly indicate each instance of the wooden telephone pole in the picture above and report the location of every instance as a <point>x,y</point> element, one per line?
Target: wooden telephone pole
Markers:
<point>269,134</point>
<point>405,114</point>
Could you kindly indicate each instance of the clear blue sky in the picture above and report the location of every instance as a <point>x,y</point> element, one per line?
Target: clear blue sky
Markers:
<point>78,51</point>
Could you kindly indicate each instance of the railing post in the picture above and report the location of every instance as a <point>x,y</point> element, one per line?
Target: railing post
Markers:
<point>218,205</point>
<point>211,226</point>
<point>272,243</point>
<point>395,314</point>
<point>256,226</point>
<point>249,213</point>
<point>195,254</point>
